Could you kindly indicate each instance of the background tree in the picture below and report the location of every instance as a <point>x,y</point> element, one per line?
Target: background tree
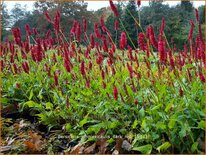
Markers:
<point>129,22</point>
<point>110,23</point>
<point>5,22</point>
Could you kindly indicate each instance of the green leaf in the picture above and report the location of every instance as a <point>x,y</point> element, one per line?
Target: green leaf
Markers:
<point>171,123</point>
<point>135,124</point>
<point>201,124</point>
<point>49,106</point>
<point>169,106</point>
<point>40,94</point>
<point>68,126</point>
<point>113,124</point>
<point>141,112</point>
<point>144,126</point>
<point>31,94</point>
<point>163,147</point>
<point>156,107</point>
<point>4,101</point>
<point>194,147</point>
<point>161,125</point>
<point>82,122</point>
<point>182,132</point>
<point>146,149</point>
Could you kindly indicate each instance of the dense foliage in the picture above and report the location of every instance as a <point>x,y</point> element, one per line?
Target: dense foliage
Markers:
<point>99,93</point>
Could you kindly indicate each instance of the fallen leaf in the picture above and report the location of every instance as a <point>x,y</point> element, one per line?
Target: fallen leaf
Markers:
<point>76,149</point>
<point>118,145</point>
<point>30,145</point>
<point>102,143</point>
<point>90,149</point>
<point>35,142</point>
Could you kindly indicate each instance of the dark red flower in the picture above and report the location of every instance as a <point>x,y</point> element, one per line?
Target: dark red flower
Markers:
<point>56,80</point>
<point>192,25</point>
<point>138,3</point>
<point>82,69</point>
<point>73,29</point>
<point>123,40</point>
<point>88,82</point>
<point>114,9</point>
<point>15,68</point>
<point>196,15</point>
<point>162,50</point>
<point>181,91</point>
<point>99,59</point>
<point>48,34</point>
<point>67,102</point>
<point>104,41</point>
<point>115,92</point>
<point>130,70</point>
<point>92,40</point>
<point>101,21</point>
<point>66,65</point>
<point>85,25</point>
<point>102,73</point>
<point>28,31</point>
<point>57,22</point>
<point>162,26</point>
<point>47,16</point>
<point>151,36</point>
<point>34,31</point>
<point>116,25</point>
<point>104,84</point>
<point>78,32</point>
<point>25,67</point>
<point>141,41</point>
<point>18,85</point>
<point>96,30</point>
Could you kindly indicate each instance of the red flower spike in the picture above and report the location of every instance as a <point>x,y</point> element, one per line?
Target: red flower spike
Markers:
<point>34,31</point>
<point>96,30</point>
<point>136,102</point>
<point>130,70</point>
<point>78,32</point>
<point>99,59</point>
<point>85,25</point>
<point>115,92</point>
<point>82,69</point>
<point>18,85</point>
<point>141,41</point>
<point>114,9</point>
<point>28,31</point>
<point>151,36</point>
<point>15,68</point>
<point>196,15</point>
<point>181,91</point>
<point>138,3</point>
<point>123,40</point>
<point>162,26</point>
<point>192,25</point>
<point>47,16</point>
<point>103,84</point>
<point>67,103</point>
<point>73,29</point>
<point>92,41</point>
<point>101,21</point>
<point>56,80</point>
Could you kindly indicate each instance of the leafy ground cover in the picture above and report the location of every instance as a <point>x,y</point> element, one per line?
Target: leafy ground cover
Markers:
<point>59,96</point>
